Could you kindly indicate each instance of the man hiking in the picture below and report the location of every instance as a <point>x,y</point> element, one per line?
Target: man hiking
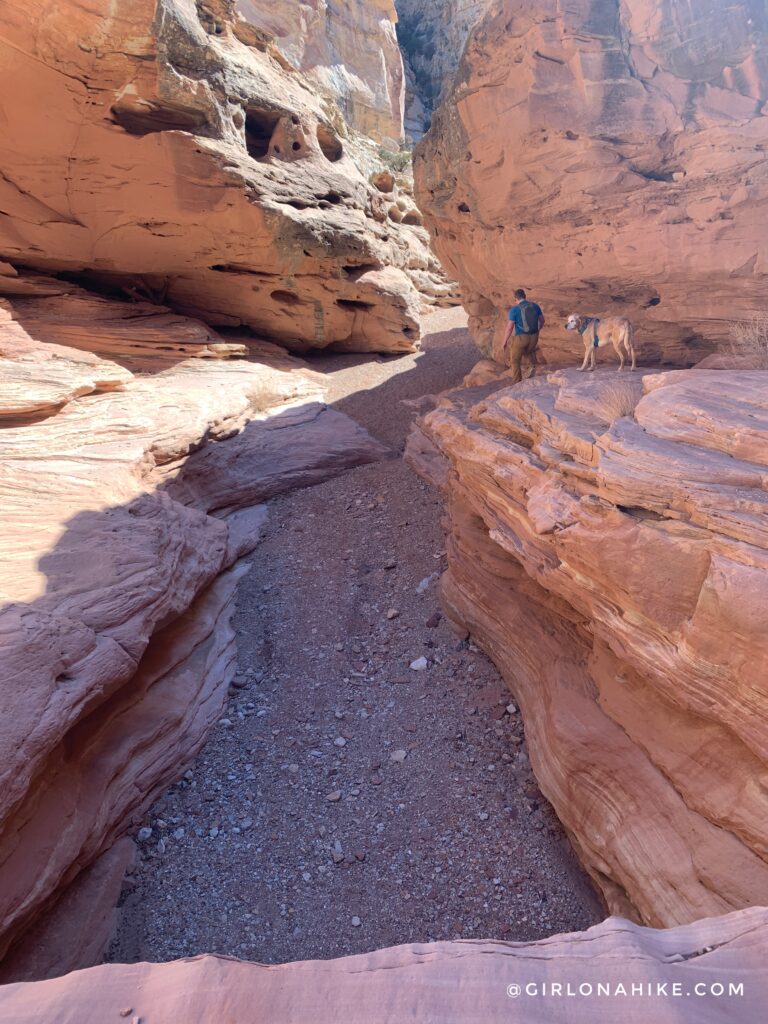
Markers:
<point>522,339</point>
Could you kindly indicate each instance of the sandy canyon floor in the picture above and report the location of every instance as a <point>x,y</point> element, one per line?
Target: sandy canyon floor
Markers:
<point>346,801</point>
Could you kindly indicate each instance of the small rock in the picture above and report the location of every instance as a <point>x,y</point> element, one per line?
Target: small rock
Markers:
<point>339,742</point>
<point>434,620</point>
<point>390,563</point>
<point>420,664</point>
<point>126,1012</point>
<point>398,755</point>
<point>356,922</point>
<point>225,722</point>
<point>338,647</point>
<point>338,858</point>
<point>483,816</point>
<point>511,709</point>
<point>426,582</point>
<point>213,833</point>
<point>360,855</point>
<point>392,613</point>
<point>245,824</point>
<point>178,833</point>
<point>144,835</point>
<point>239,682</point>
<point>333,798</point>
<point>306,876</point>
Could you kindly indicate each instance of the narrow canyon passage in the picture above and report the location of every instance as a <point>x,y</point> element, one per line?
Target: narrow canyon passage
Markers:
<point>347,801</point>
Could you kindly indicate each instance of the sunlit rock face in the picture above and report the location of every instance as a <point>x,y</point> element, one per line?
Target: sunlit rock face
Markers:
<point>168,151</point>
<point>608,549</point>
<point>348,49</point>
<point>610,159</point>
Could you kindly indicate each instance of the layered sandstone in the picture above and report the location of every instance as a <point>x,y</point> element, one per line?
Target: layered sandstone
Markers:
<point>129,503</point>
<point>609,158</point>
<point>167,152</point>
<point>348,49</point>
<point>608,550</point>
<point>710,971</point>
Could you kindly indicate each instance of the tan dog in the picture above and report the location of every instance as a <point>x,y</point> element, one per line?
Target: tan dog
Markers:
<point>597,333</point>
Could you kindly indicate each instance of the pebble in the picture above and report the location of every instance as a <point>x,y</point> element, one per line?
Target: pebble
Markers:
<point>419,664</point>
<point>390,563</point>
<point>334,797</point>
<point>398,755</point>
<point>426,582</point>
<point>339,742</point>
<point>356,922</point>
<point>245,824</point>
<point>178,833</point>
<point>144,835</point>
<point>392,613</point>
<point>511,709</point>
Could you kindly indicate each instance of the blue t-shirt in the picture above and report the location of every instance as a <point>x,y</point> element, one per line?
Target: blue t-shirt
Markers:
<point>516,315</point>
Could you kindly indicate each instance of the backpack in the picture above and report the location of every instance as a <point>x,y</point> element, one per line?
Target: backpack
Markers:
<point>529,314</point>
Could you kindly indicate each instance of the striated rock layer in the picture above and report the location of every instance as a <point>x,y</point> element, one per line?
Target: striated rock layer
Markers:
<point>712,971</point>
<point>609,158</point>
<point>608,549</point>
<point>349,50</point>
<point>167,152</point>
<point>128,505</point>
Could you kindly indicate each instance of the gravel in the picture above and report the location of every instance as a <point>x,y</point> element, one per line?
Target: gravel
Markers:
<point>344,803</point>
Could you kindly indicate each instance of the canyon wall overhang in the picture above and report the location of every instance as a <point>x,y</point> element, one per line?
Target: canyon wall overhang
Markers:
<point>167,150</point>
<point>609,158</point>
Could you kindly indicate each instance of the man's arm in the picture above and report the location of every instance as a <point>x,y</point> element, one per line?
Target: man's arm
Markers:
<point>508,335</point>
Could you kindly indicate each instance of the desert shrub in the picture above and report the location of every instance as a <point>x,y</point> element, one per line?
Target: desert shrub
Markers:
<point>397,162</point>
<point>617,399</point>
<point>750,340</point>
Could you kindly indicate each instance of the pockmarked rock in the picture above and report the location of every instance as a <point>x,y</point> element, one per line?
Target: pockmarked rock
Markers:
<point>170,154</point>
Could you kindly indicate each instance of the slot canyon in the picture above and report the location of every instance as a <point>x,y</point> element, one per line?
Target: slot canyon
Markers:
<point>348,678</point>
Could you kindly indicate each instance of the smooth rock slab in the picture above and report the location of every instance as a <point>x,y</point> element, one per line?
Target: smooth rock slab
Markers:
<point>468,982</point>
